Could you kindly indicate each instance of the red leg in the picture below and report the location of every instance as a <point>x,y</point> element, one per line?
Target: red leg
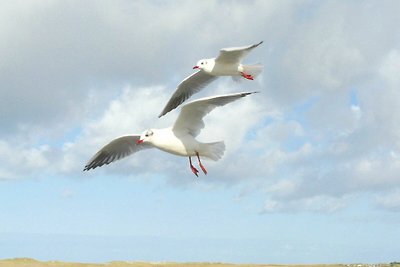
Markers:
<point>247,76</point>
<point>194,170</point>
<point>201,165</point>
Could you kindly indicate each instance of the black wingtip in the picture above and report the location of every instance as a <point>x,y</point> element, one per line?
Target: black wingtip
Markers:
<point>163,113</point>
<point>166,110</point>
<point>249,93</point>
<point>255,45</point>
<point>88,167</point>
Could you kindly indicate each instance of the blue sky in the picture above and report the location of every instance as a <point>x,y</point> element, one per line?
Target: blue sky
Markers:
<point>311,168</point>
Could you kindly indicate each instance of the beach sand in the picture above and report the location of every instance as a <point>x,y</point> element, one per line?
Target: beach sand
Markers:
<point>26,262</point>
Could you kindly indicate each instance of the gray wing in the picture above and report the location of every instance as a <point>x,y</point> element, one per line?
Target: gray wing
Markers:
<point>235,54</point>
<point>190,119</point>
<point>189,86</point>
<point>115,150</point>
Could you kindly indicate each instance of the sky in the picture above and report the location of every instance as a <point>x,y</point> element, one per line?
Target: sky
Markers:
<point>311,171</point>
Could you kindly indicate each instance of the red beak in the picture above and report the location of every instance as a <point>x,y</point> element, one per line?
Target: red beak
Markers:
<point>195,67</point>
<point>138,142</point>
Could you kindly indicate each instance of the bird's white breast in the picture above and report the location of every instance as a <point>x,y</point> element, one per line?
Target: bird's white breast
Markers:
<point>184,145</point>
<point>225,69</point>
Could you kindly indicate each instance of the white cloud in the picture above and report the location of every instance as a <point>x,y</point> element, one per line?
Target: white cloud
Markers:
<point>390,68</point>
<point>282,188</point>
<point>131,113</point>
<point>106,69</point>
<point>324,204</point>
<point>18,160</point>
<point>390,200</point>
<point>57,50</point>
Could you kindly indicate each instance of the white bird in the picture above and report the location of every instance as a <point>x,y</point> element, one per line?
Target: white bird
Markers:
<point>228,63</point>
<point>178,139</point>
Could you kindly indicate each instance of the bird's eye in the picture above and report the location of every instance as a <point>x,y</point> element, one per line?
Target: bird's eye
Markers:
<point>202,63</point>
<point>149,133</point>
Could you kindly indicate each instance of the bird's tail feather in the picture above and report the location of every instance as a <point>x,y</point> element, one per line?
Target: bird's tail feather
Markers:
<point>213,151</point>
<point>253,70</point>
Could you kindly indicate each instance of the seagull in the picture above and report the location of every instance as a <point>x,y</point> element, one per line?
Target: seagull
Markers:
<point>180,139</point>
<point>228,63</point>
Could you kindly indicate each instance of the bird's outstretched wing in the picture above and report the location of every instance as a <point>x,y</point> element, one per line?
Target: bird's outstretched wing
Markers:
<point>189,86</point>
<point>115,150</point>
<point>235,54</point>
<point>190,119</point>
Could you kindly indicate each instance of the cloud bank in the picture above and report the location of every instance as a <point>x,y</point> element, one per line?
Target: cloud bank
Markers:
<point>322,132</point>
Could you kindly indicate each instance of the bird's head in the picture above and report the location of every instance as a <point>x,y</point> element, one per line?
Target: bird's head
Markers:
<point>203,64</point>
<point>145,137</point>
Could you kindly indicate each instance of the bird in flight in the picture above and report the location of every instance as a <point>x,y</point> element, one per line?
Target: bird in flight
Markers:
<point>180,139</point>
<point>228,63</point>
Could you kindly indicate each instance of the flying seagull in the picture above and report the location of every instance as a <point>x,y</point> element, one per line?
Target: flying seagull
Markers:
<point>180,139</point>
<point>228,63</point>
